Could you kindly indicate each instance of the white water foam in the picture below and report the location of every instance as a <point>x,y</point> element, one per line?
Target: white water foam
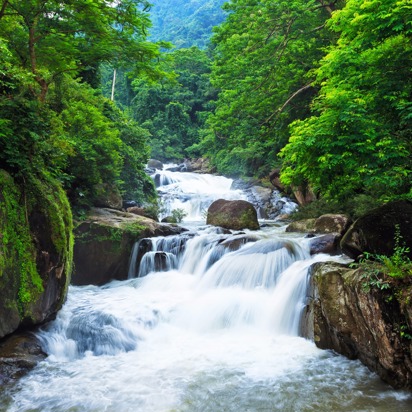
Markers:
<point>218,337</point>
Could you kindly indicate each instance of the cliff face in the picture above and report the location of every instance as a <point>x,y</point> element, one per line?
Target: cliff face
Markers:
<point>36,251</point>
<point>356,319</point>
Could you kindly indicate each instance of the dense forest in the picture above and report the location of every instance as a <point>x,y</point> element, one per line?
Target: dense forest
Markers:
<point>320,90</point>
<point>185,23</point>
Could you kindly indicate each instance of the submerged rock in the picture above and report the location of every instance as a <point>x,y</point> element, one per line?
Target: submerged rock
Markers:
<point>19,354</point>
<point>362,322</point>
<point>232,214</point>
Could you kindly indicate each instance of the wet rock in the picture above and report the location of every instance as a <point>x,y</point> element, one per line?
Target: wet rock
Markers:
<point>302,226</point>
<point>236,241</point>
<point>169,219</point>
<point>199,165</point>
<point>375,231</point>
<point>332,223</point>
<point>141,211</point>
<point>328,223</point>
<point>19,354</point>
<point>179,168</point>
<point>304,195</point>
<point>274,178</point>
<point>232,214</point>
<point>155,164</point>
<point>361,323</point>
<point>103,243</point>
<point>328,243</point>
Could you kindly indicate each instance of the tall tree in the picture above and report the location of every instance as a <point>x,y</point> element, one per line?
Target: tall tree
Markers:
<point>174,110</point>
<point>360,139</point>
<point>264,56</point>
<point>51,37</point>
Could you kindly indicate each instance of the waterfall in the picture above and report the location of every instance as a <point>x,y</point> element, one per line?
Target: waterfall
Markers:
<point>192,192</point>
<point>208,321</point>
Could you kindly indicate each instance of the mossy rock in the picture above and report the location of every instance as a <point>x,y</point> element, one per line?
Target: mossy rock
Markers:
<point>105,240</point>
<point>36,250</point>
<point>232,214</point>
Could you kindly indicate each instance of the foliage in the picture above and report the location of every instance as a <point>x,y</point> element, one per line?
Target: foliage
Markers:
<point>185,23</point>
<point>178,215</point>
<point>264,56</point>
<point>359,140</point>
<point>22,206</point>
<point>51,37</point>
<point>379,271</point>
<point>355,207</point>
<point>174,110</point>
<point>398,265</point>
<point>135,183</point>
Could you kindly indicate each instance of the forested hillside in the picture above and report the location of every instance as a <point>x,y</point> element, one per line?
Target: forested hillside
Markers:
<point>54,120</point>
<point>322,90</point>
<point>185,23</point>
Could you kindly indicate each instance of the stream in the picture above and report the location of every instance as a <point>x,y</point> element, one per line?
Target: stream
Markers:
<point>208,321</point>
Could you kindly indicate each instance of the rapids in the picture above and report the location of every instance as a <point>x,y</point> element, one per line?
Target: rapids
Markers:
<point>213,327</point>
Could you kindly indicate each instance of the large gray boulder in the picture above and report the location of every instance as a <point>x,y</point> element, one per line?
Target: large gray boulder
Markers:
<point>232,214</point>
<point>375,231</point>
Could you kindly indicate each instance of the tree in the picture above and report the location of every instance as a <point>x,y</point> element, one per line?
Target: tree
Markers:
<point>51,37</point>
<point>264,56</point>
<point>359,140</point>
<point>174,110</point>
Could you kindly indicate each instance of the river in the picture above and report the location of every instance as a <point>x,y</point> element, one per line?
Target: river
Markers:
<point>214,328</point>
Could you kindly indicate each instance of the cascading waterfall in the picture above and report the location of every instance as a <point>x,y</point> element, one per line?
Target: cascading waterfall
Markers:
<point>192,192</point>
<point>208,321</point>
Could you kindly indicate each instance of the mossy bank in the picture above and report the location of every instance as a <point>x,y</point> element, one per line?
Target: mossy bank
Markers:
<point>36,250</point>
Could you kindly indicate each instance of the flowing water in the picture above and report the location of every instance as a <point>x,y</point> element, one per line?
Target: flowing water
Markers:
<point>207,322</point>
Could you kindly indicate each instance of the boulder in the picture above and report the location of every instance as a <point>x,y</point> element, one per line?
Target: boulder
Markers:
<point>103,243</point>
<point>155,164</point>
<point>232,214</point>
<point>169,219</point>
<point>328,243</point>
<point>360,322</point>
<point>332,223</point>
<point>200,165</point>
<point>304,195</point>
<point>36,247</point>
<point>19,353</point>
<point>302,226</point>
<point>375,231</point>
<point>329,223</point>
<point>142,211</point>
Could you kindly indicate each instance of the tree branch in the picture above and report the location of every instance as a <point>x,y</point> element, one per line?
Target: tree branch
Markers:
<point>280,110</point>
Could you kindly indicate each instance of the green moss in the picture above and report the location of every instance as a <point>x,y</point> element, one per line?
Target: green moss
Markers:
<point>51,199</point>
<point>134,228</point>
<point>18,262</point>
<point>21,244</point>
